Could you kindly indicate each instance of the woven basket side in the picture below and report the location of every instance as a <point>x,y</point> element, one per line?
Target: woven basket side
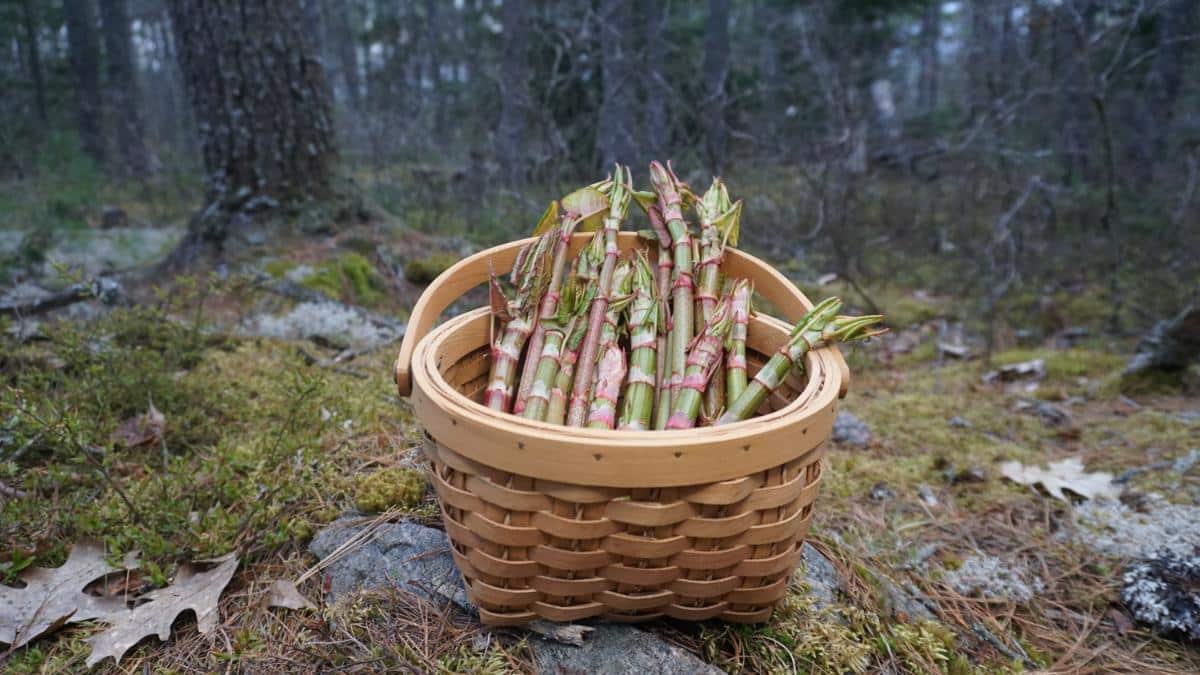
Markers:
<point>531,548</point>
<point>524,554</point>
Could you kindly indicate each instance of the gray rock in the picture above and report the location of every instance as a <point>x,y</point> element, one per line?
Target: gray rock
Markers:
<point>906,603</point>
<point>849,430</point>
<point>1052,415</point>
<point>820,576</point>
<point>617,649</point>
<point>881,492</point>
<point>417,559</point>
<point>959,422</point>
<point>406,555</point>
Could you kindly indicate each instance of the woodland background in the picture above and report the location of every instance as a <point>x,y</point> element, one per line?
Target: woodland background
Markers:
<point>215,217</point>
<point>979,149</point>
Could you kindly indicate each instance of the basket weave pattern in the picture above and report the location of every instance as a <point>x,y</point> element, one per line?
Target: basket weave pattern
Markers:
<point>564,524</point>
<point>530,548</point>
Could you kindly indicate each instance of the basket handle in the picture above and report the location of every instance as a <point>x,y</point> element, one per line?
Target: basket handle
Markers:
<point>473,270</point>
<point>449,286</point>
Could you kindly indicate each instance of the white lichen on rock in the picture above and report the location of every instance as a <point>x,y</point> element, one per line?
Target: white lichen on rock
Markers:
<point>1117,530</point>
<point>1163,591</point>
<point>994,579</point>
<point>333,320</point>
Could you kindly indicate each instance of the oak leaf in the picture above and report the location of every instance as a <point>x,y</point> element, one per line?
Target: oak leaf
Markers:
<point>197,591</point>
<point>1067,474</point>
<point>54,596</point>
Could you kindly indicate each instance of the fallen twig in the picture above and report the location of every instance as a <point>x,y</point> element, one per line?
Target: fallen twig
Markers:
<point>106,290</point>
<point>331,364</point>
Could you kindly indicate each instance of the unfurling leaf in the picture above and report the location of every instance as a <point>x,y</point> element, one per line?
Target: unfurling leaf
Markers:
<point>590,205</point>
<point>197,591</point>
<point>729,224</point>
<point>548,220</point>
<point>54,596</point>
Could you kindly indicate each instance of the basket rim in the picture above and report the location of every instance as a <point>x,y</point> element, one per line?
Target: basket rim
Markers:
<point>813,386</point>
<point>643,458</point>
<point>475,269</point>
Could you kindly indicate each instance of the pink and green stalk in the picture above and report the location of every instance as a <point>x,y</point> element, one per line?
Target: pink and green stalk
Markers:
<point>735,358</point>
<point>719,222</point>
<point>556,412</point>
<point>602,406</point>
<point>638,409</point>
<point>586,270</point>
<point>610,372</point>
<point>529,276</point>
<point>670,201</point>
<point>819,328</point>
<point>547,310</point>
<point>703,359</point>
<point>662,390</point>
<point>558,327</point>
<point>619,198</point>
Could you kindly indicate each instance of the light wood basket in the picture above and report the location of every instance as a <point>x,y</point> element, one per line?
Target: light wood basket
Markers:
<point>565,523</point>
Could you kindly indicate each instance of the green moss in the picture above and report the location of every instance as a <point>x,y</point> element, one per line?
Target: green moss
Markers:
<point>247,458</point>
<point>1146,382</point>
<point>425,270</point>
<point>279,267</point>
<point>835,639</point>
<point>387,488</point>
<point>350,276</point>
<point>1067,364</point>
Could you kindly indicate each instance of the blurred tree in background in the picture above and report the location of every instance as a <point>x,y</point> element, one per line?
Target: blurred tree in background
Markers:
<point>970,146</point>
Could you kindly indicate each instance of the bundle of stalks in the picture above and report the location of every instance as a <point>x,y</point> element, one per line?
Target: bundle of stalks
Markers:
<point>659,335</point>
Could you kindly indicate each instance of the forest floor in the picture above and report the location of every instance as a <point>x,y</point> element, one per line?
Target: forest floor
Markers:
<point>942,565</point>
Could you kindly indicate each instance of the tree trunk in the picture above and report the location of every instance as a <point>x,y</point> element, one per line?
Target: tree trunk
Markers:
<point>512,132</point>
<point>344,49</point>
<point>772,80</point>
<point>931,33</point>
<point>84,49</point>
<point>1176,39</point>
<point>260,100</point>
<point>30,24</point>
<point>122,86</point>
<point>262,111</point>
<point>715,71</point>
<point>654,113</point>
<point>615,140</point>
<point>433,51</point>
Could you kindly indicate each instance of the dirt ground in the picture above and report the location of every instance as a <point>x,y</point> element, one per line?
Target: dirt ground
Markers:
<point>941,565</point>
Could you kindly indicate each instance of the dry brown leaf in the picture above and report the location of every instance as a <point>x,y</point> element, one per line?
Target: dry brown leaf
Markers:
<point>54,596</point>
<point>145,429</point>
<point>197,591</point>
<point>1067,474</point>
<point>284,594</point>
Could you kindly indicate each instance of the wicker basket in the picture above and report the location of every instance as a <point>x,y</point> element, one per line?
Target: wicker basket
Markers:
<point>565,523</point>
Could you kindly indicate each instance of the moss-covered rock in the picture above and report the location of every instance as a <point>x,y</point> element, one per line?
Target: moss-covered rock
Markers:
<point>386,488</point>
<point>350,276</point>
<point>425,270</point>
